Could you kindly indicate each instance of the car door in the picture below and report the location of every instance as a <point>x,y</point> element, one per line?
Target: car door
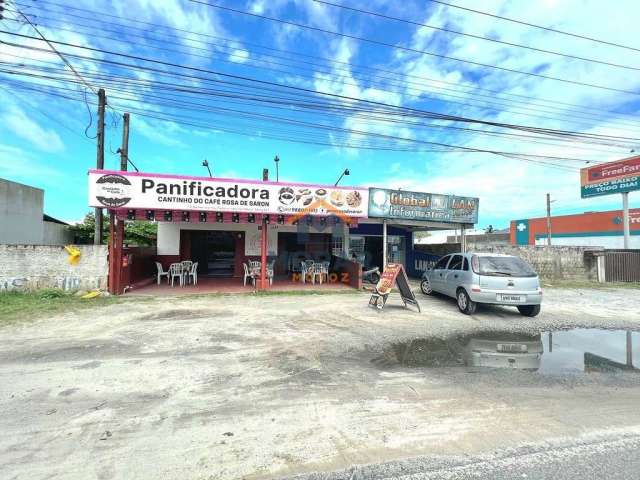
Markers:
<point>437,274</point>
<point>451,277</point>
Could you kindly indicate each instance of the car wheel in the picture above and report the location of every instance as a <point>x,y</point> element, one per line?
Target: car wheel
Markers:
<point>465,304</point>
<point>529,310</point>
<point>425,286</point>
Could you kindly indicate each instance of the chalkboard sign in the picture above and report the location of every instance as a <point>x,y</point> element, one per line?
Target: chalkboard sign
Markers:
<point>394,274</point>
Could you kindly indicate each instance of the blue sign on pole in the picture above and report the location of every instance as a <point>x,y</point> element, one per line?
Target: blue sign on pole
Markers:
<point>401,204</point>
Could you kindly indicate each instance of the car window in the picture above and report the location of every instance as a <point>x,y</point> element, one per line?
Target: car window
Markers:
<point>456,263</point>
<point>505,266</point>
<point>442,263</point>
<point>465,267</point>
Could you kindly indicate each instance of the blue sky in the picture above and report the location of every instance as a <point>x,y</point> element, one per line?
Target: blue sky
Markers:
<point>43,142</point>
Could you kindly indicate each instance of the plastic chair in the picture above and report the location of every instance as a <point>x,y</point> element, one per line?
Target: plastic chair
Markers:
<point>248,273</point>
<point>175,270</point>
<point>193,273</point>
<point>307,268</point>
<point>161,273</point>
<point>318,271</point>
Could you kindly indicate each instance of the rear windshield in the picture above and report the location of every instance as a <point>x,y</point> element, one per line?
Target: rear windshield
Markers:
<point>505,266</point>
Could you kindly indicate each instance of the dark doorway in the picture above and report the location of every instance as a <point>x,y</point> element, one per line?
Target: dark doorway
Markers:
<point>373,252</point>
<point>215,252</point>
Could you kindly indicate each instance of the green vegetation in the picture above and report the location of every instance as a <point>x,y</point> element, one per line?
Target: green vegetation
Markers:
<point>18,306</point>
<point>138,233</point>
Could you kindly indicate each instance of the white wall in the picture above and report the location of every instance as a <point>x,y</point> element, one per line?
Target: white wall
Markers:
<point>607,241</point>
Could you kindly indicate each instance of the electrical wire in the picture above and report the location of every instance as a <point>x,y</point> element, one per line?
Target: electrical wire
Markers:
<point>478,37</point>
<point>413,50</point>
<point>521,22</point>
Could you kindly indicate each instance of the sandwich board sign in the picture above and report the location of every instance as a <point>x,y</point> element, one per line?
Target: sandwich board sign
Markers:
<point>393,274</point>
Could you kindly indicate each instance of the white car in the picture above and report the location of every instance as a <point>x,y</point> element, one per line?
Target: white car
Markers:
<point>473,278</point>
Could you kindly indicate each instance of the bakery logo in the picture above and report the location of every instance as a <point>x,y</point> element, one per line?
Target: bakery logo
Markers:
<point>113,191</point>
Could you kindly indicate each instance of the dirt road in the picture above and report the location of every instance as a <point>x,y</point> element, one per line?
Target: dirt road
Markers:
<point>262,387</point>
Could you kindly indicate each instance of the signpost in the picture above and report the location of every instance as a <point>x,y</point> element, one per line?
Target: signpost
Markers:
<point>620,176</point>
<point>401,204</point>
<point>393,274</point>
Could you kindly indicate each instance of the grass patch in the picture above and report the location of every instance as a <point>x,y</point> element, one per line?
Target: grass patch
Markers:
<point>583,284</point>
<point>19,306</point>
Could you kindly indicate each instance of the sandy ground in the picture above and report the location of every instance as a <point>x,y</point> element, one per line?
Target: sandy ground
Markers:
<point>262,387</point>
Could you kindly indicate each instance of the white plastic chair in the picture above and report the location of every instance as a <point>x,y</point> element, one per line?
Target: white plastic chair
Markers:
<point>318,271</point>
<point>193,273</point>
<point>248,273</point>
<point>161,273</point>
<point>307,268</point>
<point>175,270</point>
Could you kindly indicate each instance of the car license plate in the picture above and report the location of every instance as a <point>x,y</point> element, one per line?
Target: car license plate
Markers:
<point>512,348</point>
<point>511,298</point>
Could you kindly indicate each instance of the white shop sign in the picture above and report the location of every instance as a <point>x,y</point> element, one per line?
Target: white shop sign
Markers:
<point>133,190</point>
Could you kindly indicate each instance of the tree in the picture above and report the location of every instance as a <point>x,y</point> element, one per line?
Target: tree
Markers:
<point>140,233</point>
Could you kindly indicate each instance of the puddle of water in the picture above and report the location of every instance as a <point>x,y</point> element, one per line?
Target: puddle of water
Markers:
<point>559,352</point>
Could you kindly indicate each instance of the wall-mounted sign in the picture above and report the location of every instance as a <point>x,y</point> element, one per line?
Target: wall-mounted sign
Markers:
<point>124,190</point>
<point>611,177</point>
<point>384,203</point>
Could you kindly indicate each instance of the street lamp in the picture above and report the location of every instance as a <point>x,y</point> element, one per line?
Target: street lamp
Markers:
<point>277,161</point>
<point>346,172</point>
<point>206,164</point>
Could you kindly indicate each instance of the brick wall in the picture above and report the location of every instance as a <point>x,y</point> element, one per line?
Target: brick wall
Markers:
<point>34,267</point>
<point>555,262</point>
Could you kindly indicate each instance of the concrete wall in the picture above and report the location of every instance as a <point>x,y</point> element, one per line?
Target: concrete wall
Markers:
<point>608,241</point>
<point>555,262</point>
<point>56,234</point>
<point>34,267</point>
<point>20,213</point>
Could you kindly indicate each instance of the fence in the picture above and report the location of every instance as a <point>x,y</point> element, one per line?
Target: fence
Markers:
<point>622,265</point>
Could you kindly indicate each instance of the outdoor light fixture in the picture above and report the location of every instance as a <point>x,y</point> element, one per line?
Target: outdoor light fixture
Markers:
<point>235,218</point>
<point>186,217</point>
<point>203,217</point>
<point>131,214</point>
<point>219,217</point>
<point>280,219</point>
<point>205,163</point>
<point>277,161</point>
<point>252,218</point>
<point>346,172</point>
<point>151,215</point>
<point>168,216</point>
<point>266,219</point>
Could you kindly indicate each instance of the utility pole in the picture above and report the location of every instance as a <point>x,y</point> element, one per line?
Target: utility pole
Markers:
<point>625,218</point>
<point>102,101</point>
<point>116,225</point>
<point>264,241</point>
<point>124,149</point>
<point>548,219</point>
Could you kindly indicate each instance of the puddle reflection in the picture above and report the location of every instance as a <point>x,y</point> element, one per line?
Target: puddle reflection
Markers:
<point>566,351</point>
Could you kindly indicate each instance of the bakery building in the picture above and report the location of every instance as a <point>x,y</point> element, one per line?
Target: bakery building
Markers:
<point>270,231</point>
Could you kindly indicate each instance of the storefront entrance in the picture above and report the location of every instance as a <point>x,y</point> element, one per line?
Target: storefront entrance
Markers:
<point>214,251</point>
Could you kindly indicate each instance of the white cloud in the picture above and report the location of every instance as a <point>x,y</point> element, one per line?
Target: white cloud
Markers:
<point>21,125</point>
<point>239,55</point>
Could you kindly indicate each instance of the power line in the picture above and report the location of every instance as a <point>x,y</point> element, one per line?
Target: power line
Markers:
<point>414,50</point>
<point>548,29</point>
<point>479,37</point>
<point>494,93</point>
<point>427,114</point>
<point>521,110</point>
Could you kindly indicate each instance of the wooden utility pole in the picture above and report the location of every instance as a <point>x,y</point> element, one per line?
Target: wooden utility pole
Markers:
<point>548,219</point>
<point>124,149</point>
<point>102,102</point>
